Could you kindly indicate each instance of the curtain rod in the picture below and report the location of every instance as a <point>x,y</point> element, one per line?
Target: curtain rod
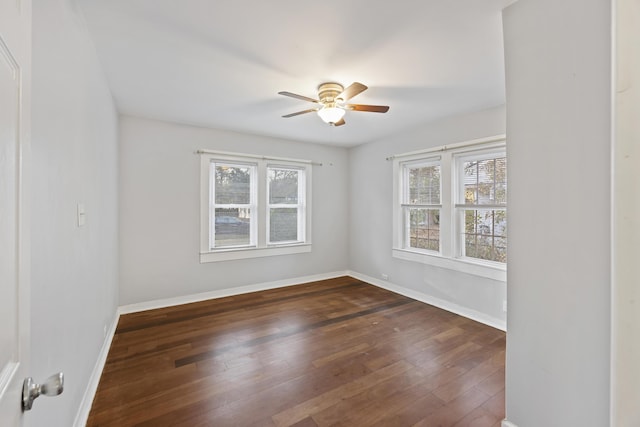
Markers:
<point>253,156</point>
<point>455,146</point>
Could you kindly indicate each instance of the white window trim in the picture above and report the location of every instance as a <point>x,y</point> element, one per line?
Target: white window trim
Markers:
<point>403,169</point>
<point>449,245</point>
<point>260,248</point>
<point>252,205</point>
<point>458,207</point>
<point>300,206</point>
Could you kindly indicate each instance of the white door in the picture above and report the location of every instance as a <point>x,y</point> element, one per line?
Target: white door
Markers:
<point>15,106</point>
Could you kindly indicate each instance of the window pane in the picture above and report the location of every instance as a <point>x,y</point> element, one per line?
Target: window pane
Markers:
<point>232,184</point>
<point>283,224</point>
<point>485,234</point>
<point>424,185</point>
<point>283,186</point>
<point>424,229</point>
<point>485,181</point>
<point>232,227</point>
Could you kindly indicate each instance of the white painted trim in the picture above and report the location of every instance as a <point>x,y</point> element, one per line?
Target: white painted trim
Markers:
<point>476,268</point>
<point>258,247</point>
<point>437,302</point>
<point>499,139</point>
<point>6,376</point>
<point>221,293</point>
<point>451,241</point>
<point>87,400</point>
<point>244,253</point>
<point>506,423</point>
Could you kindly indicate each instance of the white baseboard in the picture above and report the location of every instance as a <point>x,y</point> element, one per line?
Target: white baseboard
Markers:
<point>428,299</point>
<point>221,293</point>
<point>506,423</point>
<point>87,400</point>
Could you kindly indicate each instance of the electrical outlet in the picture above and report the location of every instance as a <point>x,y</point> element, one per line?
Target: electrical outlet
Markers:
<point>384,276</point>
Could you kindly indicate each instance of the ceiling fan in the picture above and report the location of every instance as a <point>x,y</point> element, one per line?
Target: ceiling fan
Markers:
<point>332,102</point>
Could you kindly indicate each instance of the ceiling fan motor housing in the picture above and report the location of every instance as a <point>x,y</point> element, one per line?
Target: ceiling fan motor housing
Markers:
<point>327,92</point>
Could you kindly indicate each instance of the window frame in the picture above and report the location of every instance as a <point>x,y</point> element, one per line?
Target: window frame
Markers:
<point>449,255</point>
<point>259,247</point>
<point>406,205</point>
<point>252,206</point>
<point>460,207</point>
<point>300,206</point>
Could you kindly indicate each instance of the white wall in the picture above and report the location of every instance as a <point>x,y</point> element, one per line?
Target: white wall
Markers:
<point>370,234</point>
<point>626,270</point>
<point>74,151</point>
<point>160,212</point>
<point>558,81</point>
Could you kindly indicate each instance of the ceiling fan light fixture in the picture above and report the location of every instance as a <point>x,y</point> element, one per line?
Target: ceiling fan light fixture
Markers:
<point>331,114</point>
<point>330,104</point>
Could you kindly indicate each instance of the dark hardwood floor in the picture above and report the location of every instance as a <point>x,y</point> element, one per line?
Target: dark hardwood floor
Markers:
<point>337,352</point>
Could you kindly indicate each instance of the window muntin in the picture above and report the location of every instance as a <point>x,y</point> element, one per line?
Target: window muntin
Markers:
<point>421,205</point>
<point>483,179</point>
<point>485,234</point>
<point>482,205</point>
<point>286,204</point>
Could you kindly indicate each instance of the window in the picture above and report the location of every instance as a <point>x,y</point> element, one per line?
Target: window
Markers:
<point>421,205</point>
<point>451,207</point>
<point>253,206</point>
<point>482,205</point>
<point>233,205</point>
<point>286,208</point>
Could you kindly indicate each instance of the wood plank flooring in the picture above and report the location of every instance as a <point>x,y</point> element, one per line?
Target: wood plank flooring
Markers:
<point>337,352</point>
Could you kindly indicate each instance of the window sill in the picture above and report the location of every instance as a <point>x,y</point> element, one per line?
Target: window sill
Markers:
<point>494,272</point>
<point>246,253</point>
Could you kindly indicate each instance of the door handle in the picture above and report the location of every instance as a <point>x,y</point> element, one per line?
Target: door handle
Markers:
<point>53,386</point>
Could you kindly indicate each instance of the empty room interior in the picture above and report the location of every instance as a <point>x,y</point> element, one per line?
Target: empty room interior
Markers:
<point>285,213</point>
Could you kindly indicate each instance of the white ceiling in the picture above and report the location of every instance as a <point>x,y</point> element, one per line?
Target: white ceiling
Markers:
<point>221,63</point>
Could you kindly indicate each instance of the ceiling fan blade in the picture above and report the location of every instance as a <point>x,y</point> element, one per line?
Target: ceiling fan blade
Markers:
<point>300,112</point>
<point>351,91</point>
<point>295,95</point>
<point>370,108</point>
<point>339,122</point>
